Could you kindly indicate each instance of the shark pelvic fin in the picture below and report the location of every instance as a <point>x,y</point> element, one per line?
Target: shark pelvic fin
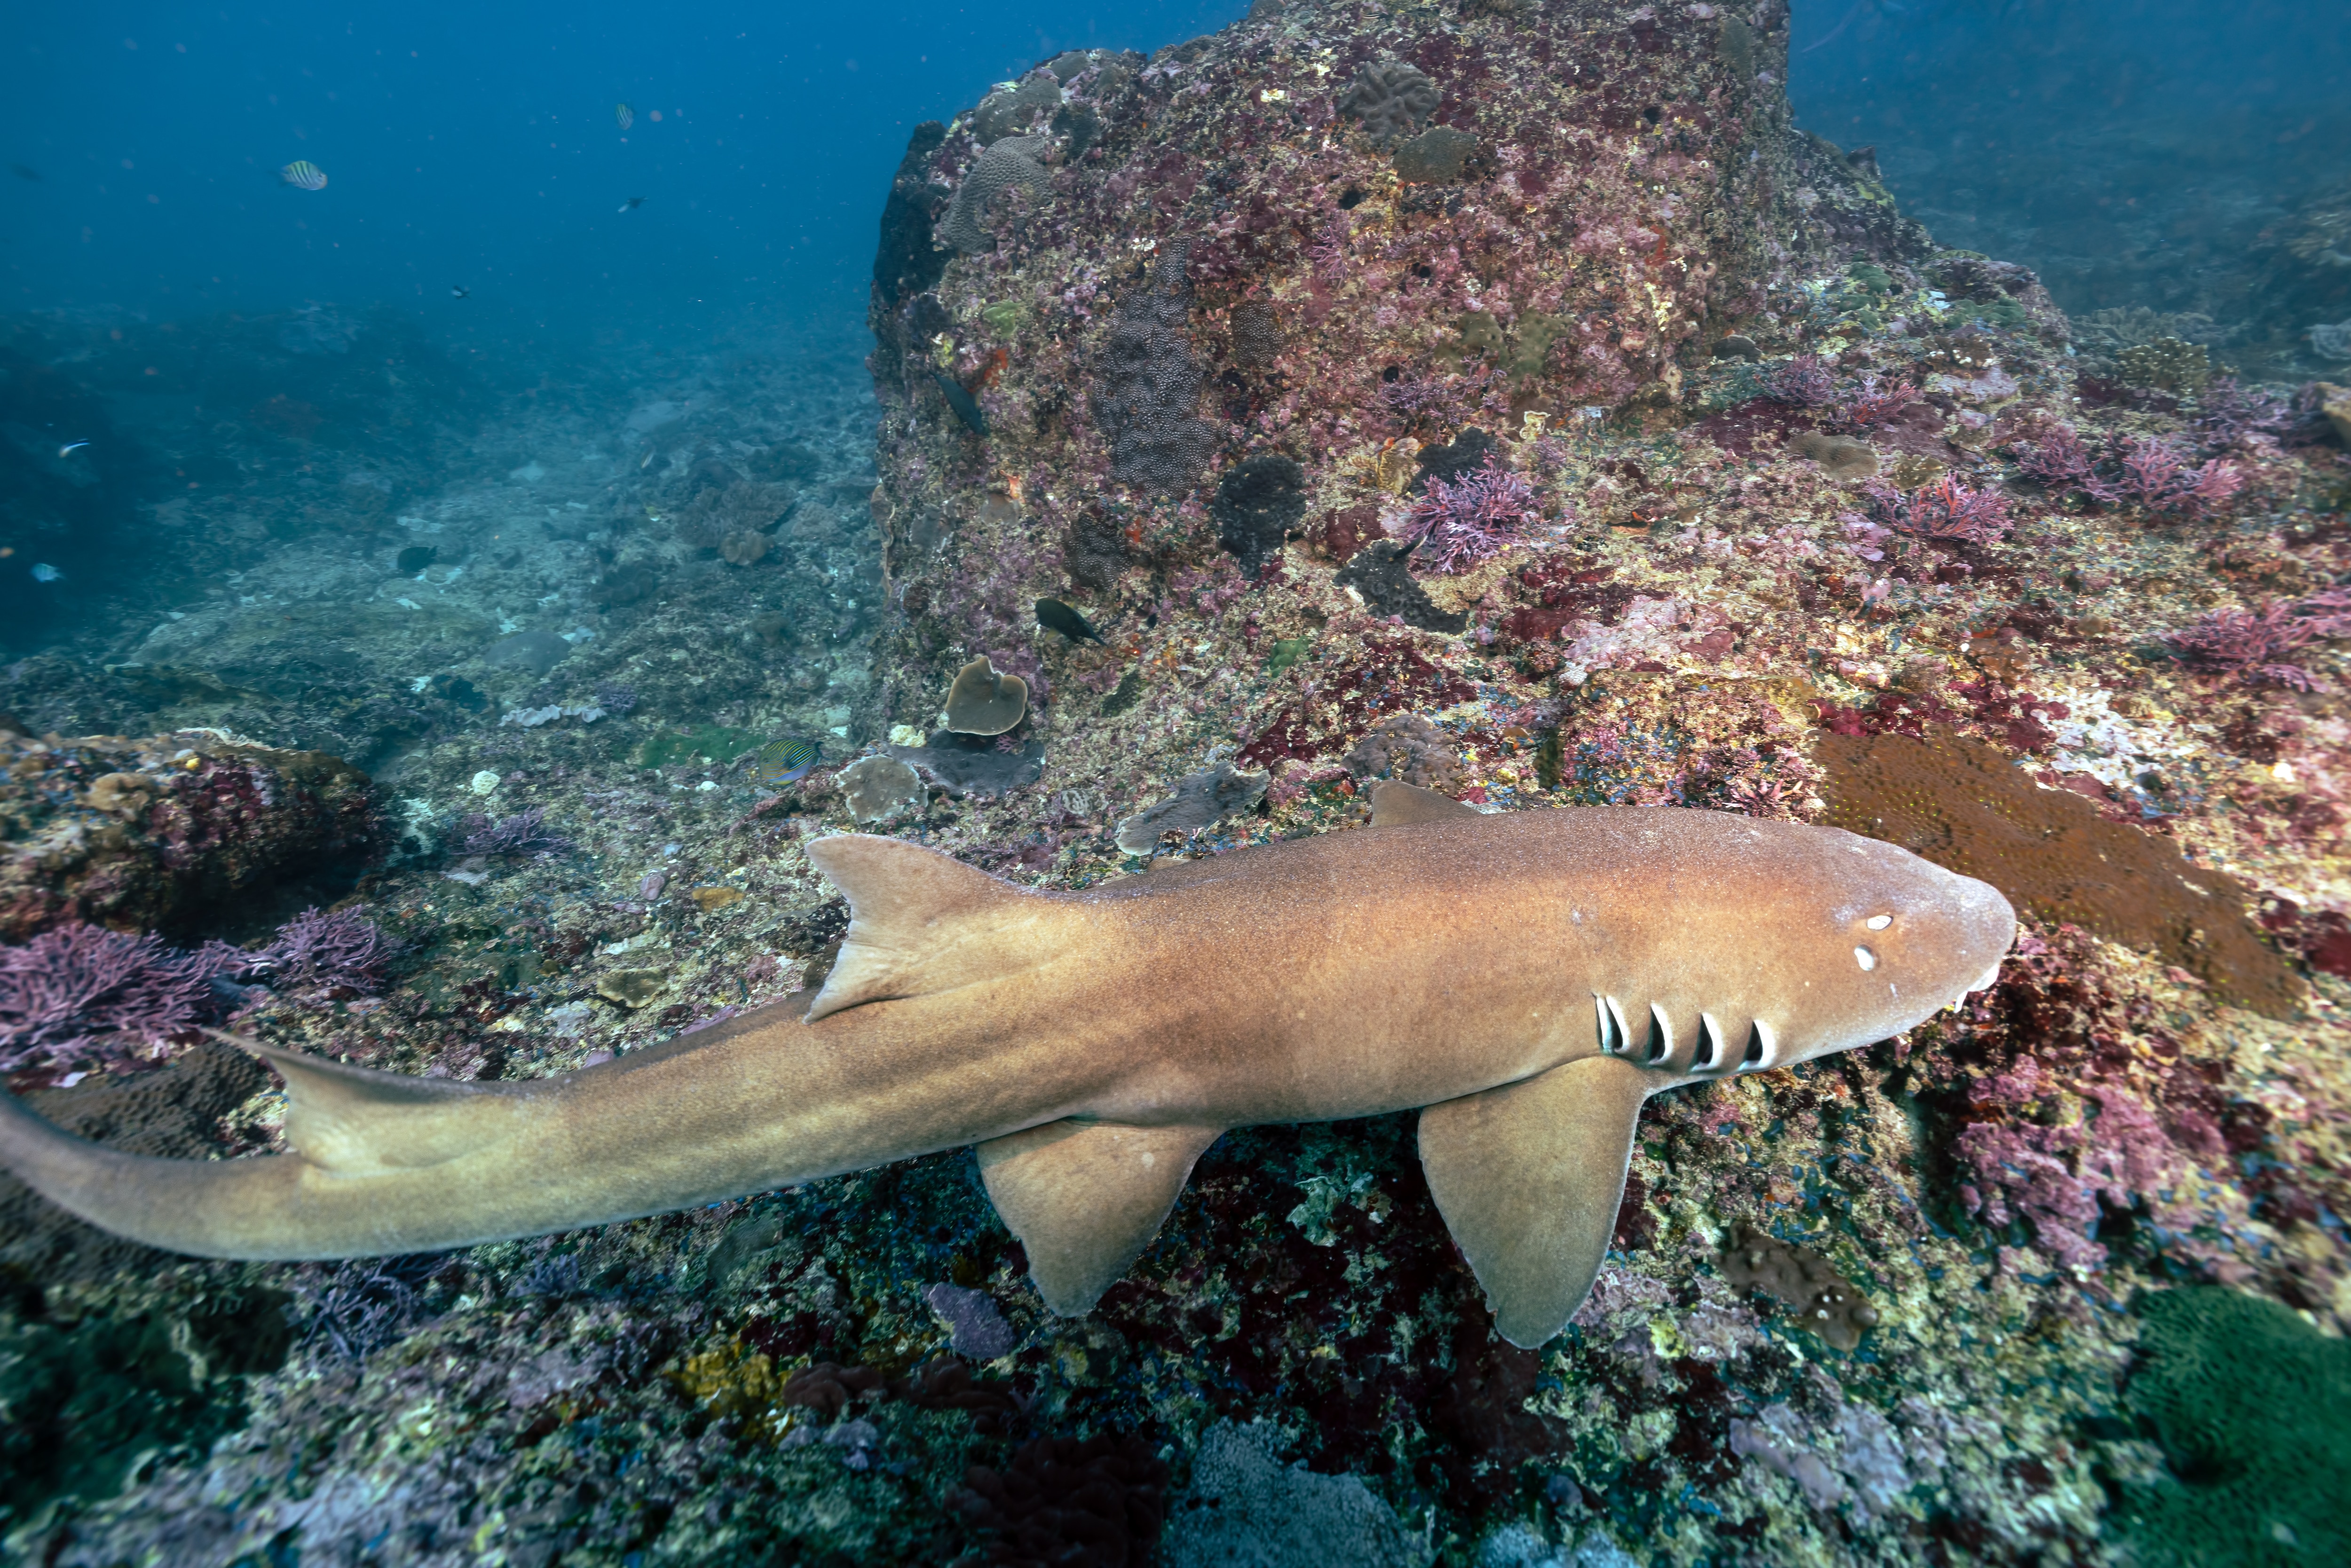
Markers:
<point>920,922</point>
<point>354,1121</point>
<point>1086,1198</point>
<point>1528,1177</point>
<point>1393,805</point>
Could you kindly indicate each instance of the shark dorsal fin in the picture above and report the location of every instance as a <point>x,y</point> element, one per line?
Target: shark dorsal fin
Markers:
<point>920,922</point>
<point>1086,1198</point>
<point>1529,1177</point>
<point>1394,805</point>
<point>354,1121</point>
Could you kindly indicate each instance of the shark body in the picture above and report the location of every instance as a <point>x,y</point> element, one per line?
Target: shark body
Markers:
<point>1527,979</point>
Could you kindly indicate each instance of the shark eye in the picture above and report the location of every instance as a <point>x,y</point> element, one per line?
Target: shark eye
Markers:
<point>1865,959</point>
<point>1613,1032</point>
<point>1709,1042</point>
<point>1879,922</point>
<point>1661,1034</point>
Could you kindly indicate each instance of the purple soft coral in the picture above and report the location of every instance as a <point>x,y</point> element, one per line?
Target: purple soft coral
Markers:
<point>1460,522</point>
<point>321,950</point>
<point>1800,382</point>
<point>81,992</point>
<point>524,833</point>
<point>1946,509</point>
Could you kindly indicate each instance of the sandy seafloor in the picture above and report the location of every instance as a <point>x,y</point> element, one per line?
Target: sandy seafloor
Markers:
<point>1897,1306</point>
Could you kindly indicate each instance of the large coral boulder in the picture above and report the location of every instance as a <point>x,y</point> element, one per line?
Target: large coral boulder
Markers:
<point>166,831</point>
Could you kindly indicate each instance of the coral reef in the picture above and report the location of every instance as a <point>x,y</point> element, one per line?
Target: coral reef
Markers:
<point>1201,801</point>
<point>2058,629</point>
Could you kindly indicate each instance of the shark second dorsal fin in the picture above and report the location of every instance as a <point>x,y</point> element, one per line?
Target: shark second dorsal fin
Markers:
<point>355,1121</point>
<point>1394,805</point>
<point>921,922</point>
<point>1528,1177</point>
<point>1086,1198</point>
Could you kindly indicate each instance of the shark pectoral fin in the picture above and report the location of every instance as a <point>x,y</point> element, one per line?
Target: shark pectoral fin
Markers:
<point>1086,1198</point>
<point>921,922</point>
<point>1528,1177</point>
<point>1395,804</point>
<point>354,1121</point>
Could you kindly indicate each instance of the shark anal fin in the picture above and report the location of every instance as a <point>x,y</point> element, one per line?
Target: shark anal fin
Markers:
<point>1086,1198</point>
<point>1528,1177</point>
<point>1395,804</point>
<point>355,1121</point>
<point>921,922</point>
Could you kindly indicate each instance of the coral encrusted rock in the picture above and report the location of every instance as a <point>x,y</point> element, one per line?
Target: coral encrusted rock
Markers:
<point>1486,397</point>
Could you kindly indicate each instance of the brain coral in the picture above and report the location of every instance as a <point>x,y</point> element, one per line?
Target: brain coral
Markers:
<point>1391,100</point>
<point>1005,164</point>
<point>1147,392</point>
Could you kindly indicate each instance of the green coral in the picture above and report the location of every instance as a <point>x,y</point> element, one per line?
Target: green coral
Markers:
<point>1003,317</point>
<point>1286,650</point>
<point>2168,364</point>
<point>2247,1402</point>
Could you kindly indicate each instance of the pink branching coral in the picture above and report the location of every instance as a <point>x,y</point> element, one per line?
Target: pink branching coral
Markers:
<point>2156,476</point>
<point>320,951</point>
<point>1946,509</point>
<point>1874,405</point>
<point>2256,643</point>
<point>1800,382</point>
<point>1460,522</point>
<point>2133,471</point>
<point>2058,461</point>
<point>82,991</point>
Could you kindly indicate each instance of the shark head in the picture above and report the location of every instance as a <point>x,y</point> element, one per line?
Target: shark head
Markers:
<point>1839,941</point>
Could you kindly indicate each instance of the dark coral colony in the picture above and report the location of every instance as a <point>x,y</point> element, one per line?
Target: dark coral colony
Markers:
<point>1504,400</point>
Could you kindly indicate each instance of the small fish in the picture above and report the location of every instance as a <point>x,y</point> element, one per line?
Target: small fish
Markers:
<point>303,175</point>
<point>966,407</point>
<point>786,761</point>
<point>459,292</point>
<point>44,572</point>
<point>24,172</point>
<point>624,114</point>
<point>71,448</point>
<point>1055,616</point>
<point>633,203</point>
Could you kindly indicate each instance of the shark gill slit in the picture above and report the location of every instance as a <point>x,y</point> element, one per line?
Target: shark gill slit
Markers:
<point>1613,1035</point>
<point>1761,1048</point>
<point>1709,1043</point>
<point>1661,1035</point>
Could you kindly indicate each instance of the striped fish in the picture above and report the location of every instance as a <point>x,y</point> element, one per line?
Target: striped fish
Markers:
<point>304,176</point>
<point>782,762</point>
<point>624,114</point>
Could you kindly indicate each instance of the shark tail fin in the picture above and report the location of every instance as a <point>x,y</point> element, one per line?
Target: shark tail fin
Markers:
<point>355,1121</point>
<point>921,922</point>
<point>184,1206</point>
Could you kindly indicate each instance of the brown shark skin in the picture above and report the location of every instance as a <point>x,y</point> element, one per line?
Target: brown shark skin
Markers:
<point>1352,974</point>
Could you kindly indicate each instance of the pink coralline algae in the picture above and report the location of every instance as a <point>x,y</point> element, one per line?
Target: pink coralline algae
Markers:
<point>2052,1178</point>
<point>1800,382</point>
<point>1946,509</point>
<point>83,992</point>
<point>1461,522</point>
